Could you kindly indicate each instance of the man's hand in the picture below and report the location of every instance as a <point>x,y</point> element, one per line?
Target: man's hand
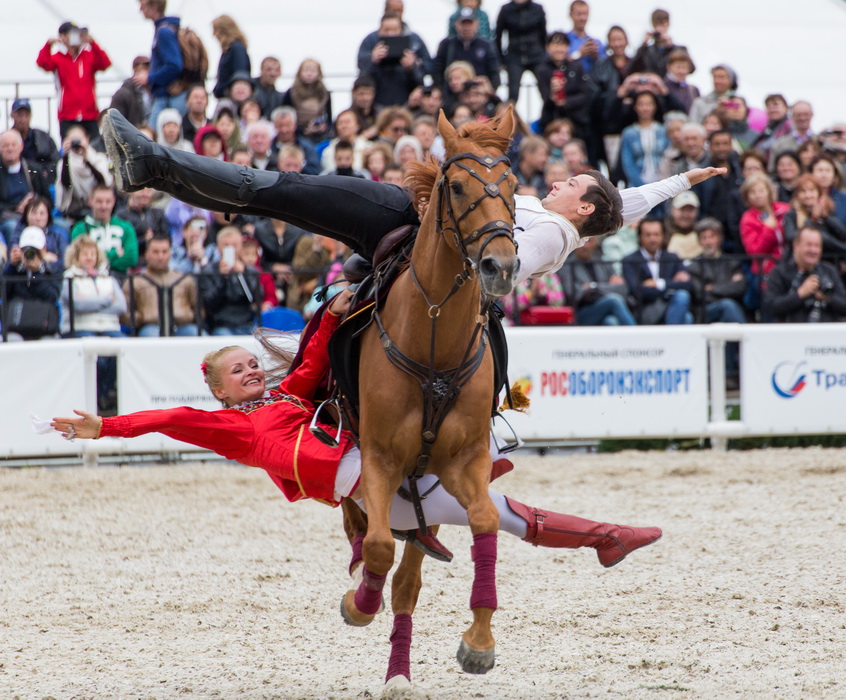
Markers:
<point>810,286</point>
<point>616,279</point>
<point>22,204</point>
<point>650,283</point>
<point>681,276</point>
<point>15,255</point>
<point>140,79</point>
<point>698,175</point>
<point>590,48</point>
<point>379,52</point>
<point>409,58</point>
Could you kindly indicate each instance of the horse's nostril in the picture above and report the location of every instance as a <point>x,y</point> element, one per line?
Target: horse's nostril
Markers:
<point>490,267</point>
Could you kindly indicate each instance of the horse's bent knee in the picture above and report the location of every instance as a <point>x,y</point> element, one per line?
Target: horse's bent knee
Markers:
<point>378,553</point>
<point>483,517</point>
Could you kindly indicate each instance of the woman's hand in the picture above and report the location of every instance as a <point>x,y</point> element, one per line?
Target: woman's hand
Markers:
<point>341,302</point>
<point>86,426</point>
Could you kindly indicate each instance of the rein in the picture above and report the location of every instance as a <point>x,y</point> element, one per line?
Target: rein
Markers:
<point>441,387</point>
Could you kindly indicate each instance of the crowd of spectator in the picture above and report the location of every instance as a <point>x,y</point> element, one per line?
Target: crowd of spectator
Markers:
<point>766,241</point>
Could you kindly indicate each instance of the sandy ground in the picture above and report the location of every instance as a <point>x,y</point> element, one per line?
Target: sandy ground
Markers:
<point>201,581</point>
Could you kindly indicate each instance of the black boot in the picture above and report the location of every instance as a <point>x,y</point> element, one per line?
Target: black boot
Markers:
<point>197,180</point>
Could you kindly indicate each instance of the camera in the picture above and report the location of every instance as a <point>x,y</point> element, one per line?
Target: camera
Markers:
<point>77,147</point>
<point>642,81</point>
<point>30,253</point>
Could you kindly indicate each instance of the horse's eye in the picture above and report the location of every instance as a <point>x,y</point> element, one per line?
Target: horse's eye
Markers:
<point>456,188</point>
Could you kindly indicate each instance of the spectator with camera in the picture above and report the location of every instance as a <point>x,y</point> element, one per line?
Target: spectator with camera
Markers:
<point>653,55</point>
<point>564,86</point>
<point>373,49</point>
<point>192,254</point>
<point>803,288</point>
<point>394,67</point>
<point>115,237</point>
<point>76,61</point>
<point>39,149</point>
<point>157,288</point>
<point>583,47</point>
<point>33,291</point>
<point>810,206</point>
<point>724,80</point>
<point>38,213</point>
<point>80,171</point>
<point>231,292</point>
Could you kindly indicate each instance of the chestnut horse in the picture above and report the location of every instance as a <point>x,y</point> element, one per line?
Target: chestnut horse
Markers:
<point>428,343</point>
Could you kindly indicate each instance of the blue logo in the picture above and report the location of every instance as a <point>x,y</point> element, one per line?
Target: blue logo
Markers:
<point>789,378</point>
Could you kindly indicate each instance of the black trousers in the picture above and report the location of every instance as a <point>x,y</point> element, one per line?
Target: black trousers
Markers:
<point>352,210</point>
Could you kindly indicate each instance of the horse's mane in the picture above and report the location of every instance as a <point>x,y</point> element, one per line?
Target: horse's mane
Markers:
<point>420,178</point>
<point>483,136</point>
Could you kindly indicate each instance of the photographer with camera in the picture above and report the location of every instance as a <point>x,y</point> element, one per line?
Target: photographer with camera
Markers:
<point>32,311</point>
<point>81,169</point>
<point>75,62</point>
<point>803,288</point>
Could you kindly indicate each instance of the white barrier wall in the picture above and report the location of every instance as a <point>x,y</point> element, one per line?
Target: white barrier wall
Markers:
<point>583,383</point>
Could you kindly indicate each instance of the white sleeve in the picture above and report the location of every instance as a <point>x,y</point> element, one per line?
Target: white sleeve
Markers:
<point>539,247</point>
<point>639,201</point>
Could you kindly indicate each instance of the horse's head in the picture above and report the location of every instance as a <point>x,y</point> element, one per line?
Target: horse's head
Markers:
<point>474,199</point>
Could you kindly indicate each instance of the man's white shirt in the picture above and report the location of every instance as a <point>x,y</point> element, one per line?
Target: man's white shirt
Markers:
<point>548,238</point>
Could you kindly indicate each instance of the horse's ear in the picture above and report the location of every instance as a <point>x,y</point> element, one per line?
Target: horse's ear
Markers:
<point>505,122</point>
<point>445,127</point>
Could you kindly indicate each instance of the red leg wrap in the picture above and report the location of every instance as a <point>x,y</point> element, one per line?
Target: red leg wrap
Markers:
<point>484,582</point>
<point>356,551</point>
<point>400,662</point>
<point>368,597</point>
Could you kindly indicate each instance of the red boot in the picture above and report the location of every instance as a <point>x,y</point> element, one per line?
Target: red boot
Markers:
<point>611,542</point>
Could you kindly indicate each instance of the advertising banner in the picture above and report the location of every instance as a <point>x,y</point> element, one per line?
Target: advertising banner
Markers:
<point>794,379</point>
<point>597,382</point>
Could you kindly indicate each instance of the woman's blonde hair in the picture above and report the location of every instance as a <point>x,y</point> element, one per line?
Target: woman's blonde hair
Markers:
<point>229,32</point>
<point>466,66</point>
<point>75,248</point>
<point>212,365</point>
<point>757,179</point>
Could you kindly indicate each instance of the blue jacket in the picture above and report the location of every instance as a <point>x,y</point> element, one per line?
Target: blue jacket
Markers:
<point>166,57</point>
<point>634,159</point>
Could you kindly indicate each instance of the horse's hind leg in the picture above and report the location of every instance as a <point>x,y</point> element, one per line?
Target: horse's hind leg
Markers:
<point>476,653</point>
<point>359,607</point>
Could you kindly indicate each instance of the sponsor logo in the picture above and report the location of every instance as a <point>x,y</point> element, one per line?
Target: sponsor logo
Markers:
<point>618,382</point>
<point>789,378</point>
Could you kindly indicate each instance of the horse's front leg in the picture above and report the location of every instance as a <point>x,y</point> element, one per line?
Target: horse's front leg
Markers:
<point>405,589</point>
<point>378,487</point>
<point>476,653</point>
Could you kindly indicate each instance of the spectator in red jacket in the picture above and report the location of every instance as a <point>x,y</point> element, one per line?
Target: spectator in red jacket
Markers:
<point>761,226</point>
<point>75,62</point>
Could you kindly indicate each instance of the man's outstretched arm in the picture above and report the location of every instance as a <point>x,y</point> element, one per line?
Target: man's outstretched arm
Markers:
<point>639,201</point>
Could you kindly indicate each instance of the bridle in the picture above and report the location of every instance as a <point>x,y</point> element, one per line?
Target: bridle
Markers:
<point>492,189</point>
<point>441,387</point>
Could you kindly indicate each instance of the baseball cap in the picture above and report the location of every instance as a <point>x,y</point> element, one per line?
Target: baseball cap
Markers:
<point>21,103</point>
<point>33,237</point>
<point>685,199</point>
<point>65,27</point>
<point>466,14</point>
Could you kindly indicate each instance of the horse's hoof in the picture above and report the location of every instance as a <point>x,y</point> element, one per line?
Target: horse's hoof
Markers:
<point>473,661</point>
<point>351,615</point>
<point>397,688</point>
